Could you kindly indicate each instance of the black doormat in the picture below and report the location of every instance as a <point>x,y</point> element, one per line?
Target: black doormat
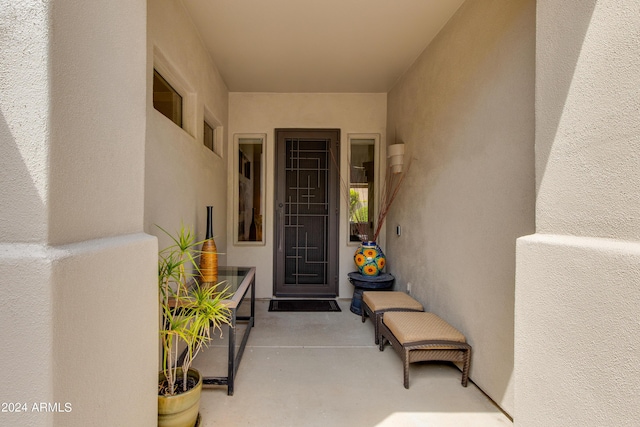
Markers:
<point>303,305</point>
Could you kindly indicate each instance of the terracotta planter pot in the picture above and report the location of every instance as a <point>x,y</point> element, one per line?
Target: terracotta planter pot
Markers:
<point>182,409</point>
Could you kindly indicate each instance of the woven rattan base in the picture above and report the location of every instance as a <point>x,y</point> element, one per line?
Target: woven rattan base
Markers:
<point>374,305</point>
<point>427,350</point>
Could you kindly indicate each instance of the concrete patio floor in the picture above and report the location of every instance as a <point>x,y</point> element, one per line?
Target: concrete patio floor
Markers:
<point>323,369</point>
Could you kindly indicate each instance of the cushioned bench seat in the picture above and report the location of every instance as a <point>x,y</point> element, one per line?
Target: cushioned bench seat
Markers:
<point>421,336</point>
<point>375,304</point>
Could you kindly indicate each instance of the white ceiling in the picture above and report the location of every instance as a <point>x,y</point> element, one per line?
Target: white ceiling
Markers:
<point>354,46</point>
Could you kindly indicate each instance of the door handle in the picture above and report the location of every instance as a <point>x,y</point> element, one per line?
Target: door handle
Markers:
<point>280,226</point>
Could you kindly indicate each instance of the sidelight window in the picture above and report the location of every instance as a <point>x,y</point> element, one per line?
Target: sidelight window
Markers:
<point>362,186</point>
<point>249,188</point>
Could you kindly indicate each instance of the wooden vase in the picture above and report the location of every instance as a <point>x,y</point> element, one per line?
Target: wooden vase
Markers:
<point>209,253</point>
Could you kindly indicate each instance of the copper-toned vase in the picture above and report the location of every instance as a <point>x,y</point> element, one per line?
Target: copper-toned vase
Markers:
<point>209,253</point>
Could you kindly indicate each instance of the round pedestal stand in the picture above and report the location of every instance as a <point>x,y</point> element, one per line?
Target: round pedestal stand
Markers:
<point>361,283</point>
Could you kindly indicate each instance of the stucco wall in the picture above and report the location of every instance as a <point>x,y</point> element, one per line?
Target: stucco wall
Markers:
<point>182,176</point>
<point>578,278</point>
<point>23,219</point>
<point>24,128</point>
<point>79,310</point>
<point>586,113</point>
<point>465,111</point>
<point>263,113</point>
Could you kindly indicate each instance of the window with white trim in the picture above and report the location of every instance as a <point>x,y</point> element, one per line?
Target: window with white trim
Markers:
<point>166,99</point>
<point>212,132</point>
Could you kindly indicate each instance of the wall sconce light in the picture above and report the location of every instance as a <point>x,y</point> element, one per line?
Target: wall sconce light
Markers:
<point>395,153</point>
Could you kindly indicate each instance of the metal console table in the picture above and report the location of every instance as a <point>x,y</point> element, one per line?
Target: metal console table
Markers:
<point>240,280</point>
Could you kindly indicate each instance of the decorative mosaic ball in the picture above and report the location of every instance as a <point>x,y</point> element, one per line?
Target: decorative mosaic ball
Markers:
<point>369,259</point>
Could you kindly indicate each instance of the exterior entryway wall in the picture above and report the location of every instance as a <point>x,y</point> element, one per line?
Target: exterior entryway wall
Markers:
<point>465,112</point>
<point>578,277</point>
<point>182,175</point>
<point>79,310</point>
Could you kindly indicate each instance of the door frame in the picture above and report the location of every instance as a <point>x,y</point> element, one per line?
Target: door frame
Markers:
<point>333,230</point>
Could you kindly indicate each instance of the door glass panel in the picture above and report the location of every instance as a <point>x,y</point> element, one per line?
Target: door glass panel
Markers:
<point>306,211</point>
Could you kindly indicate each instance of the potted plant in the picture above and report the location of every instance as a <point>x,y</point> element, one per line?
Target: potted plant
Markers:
<point>191,311</point>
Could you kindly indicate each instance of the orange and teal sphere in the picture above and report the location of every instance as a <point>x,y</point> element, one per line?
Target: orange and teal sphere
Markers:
<point>369,259</point>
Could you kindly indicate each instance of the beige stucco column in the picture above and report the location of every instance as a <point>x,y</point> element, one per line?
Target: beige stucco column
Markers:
<point>578,278</point>
<point>78,310</point>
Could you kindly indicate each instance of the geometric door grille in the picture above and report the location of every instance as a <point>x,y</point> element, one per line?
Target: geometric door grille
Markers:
<point>307,207</point>
<point>306,211</point>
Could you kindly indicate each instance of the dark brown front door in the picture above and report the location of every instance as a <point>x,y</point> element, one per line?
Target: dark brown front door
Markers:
<point>306,212</point>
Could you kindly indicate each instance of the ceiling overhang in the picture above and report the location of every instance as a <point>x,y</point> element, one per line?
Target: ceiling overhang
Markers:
<point>328,46</point>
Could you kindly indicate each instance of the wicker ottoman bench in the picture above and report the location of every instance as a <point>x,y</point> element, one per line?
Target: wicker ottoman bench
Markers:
<point>375,304</point>
<point>420,336</point>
